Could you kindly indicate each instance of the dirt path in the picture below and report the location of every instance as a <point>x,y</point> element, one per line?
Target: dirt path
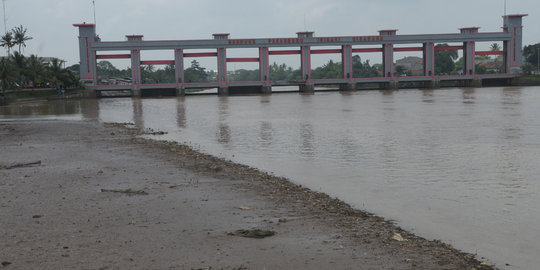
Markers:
<point>81,195</point>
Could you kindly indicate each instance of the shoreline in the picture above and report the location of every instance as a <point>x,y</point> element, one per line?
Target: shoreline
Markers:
<point>317,231</point>
<point>524,81</point>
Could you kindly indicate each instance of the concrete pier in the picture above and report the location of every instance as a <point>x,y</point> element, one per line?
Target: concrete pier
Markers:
<point>475,83</point>
<point>392,85</point>
<point>223,91</point>
<point>136,92</point>
<point>347,87</point>
<point>435,84</point>
<point>180,91</point>
<point>266,90</point>
<point>307,88</point>
<point>303,44</point>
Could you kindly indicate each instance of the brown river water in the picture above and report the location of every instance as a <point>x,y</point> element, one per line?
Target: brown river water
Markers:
<point>460,165</point>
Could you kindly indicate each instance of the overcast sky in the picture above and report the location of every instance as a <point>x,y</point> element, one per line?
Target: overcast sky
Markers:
<point>49,22</point>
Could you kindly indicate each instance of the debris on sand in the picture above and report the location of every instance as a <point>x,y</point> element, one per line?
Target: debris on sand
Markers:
<point>254,233</point>
<point>398,237</point>
<point>242,207</point>
<point>128,191</point>
<point>20,165</point>
<point>6,263</point>
<point>150,131</point>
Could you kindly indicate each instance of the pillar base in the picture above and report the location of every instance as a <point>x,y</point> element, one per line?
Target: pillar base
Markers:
<point>476,83</point>
<point>347,87</point>
<point>392,85</point>
<point>180,91</point>
<point>136,92</point>
<point>435,84</point>
<point>266,90</point>
<point>515,82</point>
<point>223,91</point>
<point>307,88</point>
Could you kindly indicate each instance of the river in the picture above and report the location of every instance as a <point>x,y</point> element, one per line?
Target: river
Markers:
<point>457,164</point>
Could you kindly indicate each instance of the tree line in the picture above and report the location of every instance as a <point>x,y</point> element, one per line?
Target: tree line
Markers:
<point>18,71</point>
<point>196,73</point>
<point>531,54</point>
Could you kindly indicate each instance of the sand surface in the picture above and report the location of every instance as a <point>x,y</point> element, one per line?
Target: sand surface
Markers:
<point>85,195</point>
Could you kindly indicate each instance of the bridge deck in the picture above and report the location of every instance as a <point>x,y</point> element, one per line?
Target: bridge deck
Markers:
<point>315,82</point>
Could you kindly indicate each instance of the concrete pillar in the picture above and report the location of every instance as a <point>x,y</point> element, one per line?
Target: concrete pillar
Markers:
<point>468,58</point>
<point>222,71</point>
<point>513,49</point>
<point>87,36</point>
<point>93,67</point>
<point>388,60</point>
<point>264,65</point>
<point>264,69</point>
<point>388,54</point>
<point>429,59</point>
<point>223,88</point>
<point>305,65</point>
<point>468,51</point>
<point>305,59</point>
<point>346,61</point>
<point>136,78</point>
<point>179,71</point>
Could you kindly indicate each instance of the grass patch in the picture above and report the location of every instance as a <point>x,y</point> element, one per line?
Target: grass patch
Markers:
<point>38,94</point>
<point>535,76</point>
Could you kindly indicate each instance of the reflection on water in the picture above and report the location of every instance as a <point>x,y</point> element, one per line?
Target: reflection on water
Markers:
<point>43,110</point>
<point>138,119</point>
<point>468,95</point>
<point>224,132</point>
<point>265,134</point>
<point>459,164</point>
<point>307,148</point>
<point>427,96</point>
<point>181,113</point>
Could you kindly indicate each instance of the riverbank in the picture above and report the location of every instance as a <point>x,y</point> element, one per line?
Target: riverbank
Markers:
<point>84,195</point>
<point>28,95</point>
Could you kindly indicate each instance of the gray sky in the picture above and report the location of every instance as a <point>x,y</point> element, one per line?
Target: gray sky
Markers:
<point>49,22</point>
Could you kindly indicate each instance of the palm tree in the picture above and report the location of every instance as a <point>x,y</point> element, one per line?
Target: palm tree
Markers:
<point>19,63</point>
<point>7,41</point>
<point>56,73</point>
<point>35,69</point>
<point>495,47</point>
<point>7,74</point>
<point>20,37</point>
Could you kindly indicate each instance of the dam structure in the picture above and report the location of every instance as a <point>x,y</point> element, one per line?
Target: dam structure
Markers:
<point>304,44</point>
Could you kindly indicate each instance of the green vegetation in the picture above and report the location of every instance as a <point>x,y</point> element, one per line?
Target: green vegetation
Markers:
<point>284,73</point>
<point>531,54</point>
<point>196,73</point>
<point>19,72</point>
<point>16,37</point>
<point>495,47</point>
<point>33,94</point>
<point>445,61</point>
